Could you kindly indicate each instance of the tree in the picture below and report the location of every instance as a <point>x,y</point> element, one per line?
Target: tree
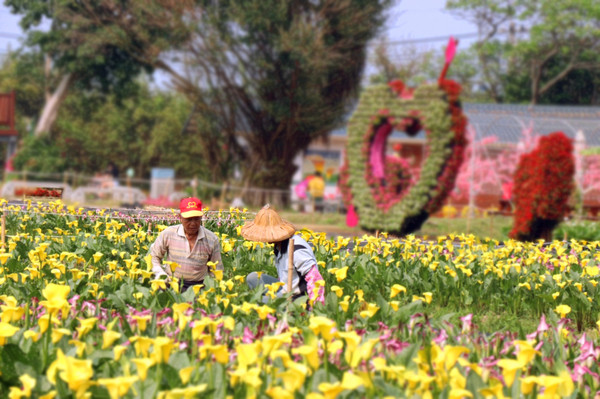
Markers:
<point>97,44</point>
<point>23,72</point>
<point>277,74</point>
<point>140,131</point>
<point>415,67</point>
<point>410,65</point>
<point>490,17</point>
<point>578,87</point>
<point>554,40</point>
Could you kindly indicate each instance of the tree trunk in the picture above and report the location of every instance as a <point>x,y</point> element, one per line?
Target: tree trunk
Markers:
<point>535,82</point>
<point>52,105</point>
<point>269,181</point>
<point>47,71</point>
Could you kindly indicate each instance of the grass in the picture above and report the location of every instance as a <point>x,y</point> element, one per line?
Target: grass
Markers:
<point>487,321</point>
<point>495,227</point>
<point>330,219</point>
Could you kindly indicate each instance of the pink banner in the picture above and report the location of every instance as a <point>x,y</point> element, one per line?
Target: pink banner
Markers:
<point>377,156</point>
<point>450,50</point>
<point>351,217</point>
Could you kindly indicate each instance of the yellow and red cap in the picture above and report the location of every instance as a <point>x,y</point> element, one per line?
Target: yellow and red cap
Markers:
<point>190,207</point>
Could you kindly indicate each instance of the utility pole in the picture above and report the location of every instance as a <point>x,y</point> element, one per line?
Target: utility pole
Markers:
<point>471,181</point>
<point>512,39</point>
<point>579,166</point>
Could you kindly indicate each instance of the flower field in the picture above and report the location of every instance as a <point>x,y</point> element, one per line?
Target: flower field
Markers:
<point>82,316</point>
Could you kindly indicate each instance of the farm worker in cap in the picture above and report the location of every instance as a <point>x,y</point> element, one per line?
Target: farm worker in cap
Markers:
<point>269,227</point>
<point>189,245</point>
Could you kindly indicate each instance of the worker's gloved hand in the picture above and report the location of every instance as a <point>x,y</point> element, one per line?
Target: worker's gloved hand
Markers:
<point>315,285</point>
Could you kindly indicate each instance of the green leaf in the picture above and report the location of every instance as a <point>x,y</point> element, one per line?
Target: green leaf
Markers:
<point>171,376</point>
<point>147,389</point>
<point>179,360</point>
<point>11,363</point>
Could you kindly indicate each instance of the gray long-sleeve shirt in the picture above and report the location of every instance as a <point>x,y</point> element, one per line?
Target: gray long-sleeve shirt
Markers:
<point>304,260</point>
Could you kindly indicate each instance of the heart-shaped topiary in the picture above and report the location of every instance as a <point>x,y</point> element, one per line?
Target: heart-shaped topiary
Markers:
<point>400,207</point>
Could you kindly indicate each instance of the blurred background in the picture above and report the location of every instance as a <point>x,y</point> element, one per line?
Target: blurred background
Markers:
<point>138,104</point>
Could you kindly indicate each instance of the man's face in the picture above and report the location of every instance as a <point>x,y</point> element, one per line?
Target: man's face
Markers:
<point>191,225</point>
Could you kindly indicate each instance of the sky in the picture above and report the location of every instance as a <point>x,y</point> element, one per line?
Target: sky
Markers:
<point>417,19</point>
<point>409,20</point>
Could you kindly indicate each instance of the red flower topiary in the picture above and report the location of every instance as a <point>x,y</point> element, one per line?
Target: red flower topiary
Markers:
<point>542,186</point>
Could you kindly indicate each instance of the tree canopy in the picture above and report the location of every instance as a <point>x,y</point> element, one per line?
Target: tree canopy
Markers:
<point>99,45</point>
<point>277,74</point>
<point>265,77</point>
<point>141,132</point>
<point>528,49</point>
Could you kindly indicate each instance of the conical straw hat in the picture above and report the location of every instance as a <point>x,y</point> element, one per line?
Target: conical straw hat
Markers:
<point>268,226</point>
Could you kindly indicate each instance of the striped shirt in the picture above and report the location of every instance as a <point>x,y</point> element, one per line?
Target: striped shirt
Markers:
<point>173,243</point>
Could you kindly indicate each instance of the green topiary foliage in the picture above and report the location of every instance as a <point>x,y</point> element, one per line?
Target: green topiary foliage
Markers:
<point>434,108</point>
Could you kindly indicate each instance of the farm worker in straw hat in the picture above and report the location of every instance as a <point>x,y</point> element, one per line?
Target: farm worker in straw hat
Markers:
<point>269,227</point>
<point>189,245</point>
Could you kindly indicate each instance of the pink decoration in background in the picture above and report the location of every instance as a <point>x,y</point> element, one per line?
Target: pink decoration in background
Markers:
<point>351,217</point>
<point>487,170</point>
<point>377,156</point>
<point>9,166</point>
<point>302,187</point>
<point>451,50</point>
<point>507,191</point>
<point>589,179</point>
<point>163,202</point>
<point>478,172</point>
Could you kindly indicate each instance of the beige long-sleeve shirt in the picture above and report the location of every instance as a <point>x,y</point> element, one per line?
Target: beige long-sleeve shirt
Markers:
<point>172,245</point>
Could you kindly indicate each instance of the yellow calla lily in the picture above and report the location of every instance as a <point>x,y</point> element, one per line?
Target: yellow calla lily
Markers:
<point>185,374</point>
<point>396,289</point>
<point>322,326</point>
<point>117,387</point>
<point>108,338</point>
<point>142,365</point>
<point>509,369</point>
<point>563,310</point>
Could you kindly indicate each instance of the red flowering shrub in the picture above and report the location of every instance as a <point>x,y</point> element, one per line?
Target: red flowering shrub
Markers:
<point>542,186</point>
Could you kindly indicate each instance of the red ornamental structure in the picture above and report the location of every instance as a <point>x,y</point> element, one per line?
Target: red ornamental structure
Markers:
<point>543,185</point>
<point>8,131</point>
<point>7,114</point>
